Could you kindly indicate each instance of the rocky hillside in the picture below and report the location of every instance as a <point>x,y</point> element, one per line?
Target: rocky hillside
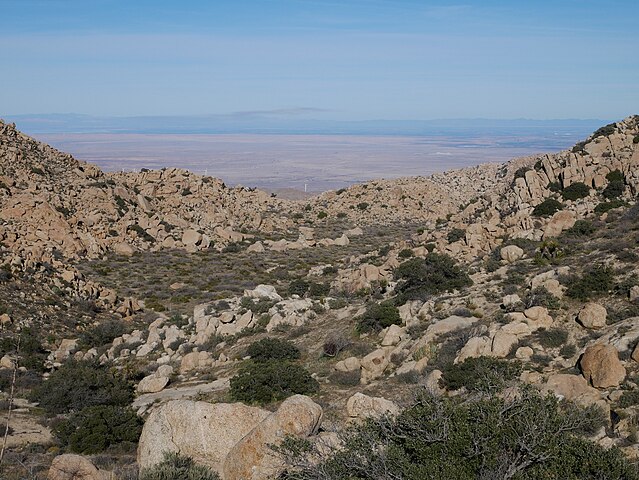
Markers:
<point>172,314</point>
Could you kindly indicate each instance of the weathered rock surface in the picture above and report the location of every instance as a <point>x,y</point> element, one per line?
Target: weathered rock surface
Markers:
<point>601,366</point>
<point>363,406</point>
<point>252,457</point>
<point>75,467</point>
<point>204,431</point>
<point>593,315</point>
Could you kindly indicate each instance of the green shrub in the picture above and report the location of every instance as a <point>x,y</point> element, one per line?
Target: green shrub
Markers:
<point>299,287</point>
<point>629,398</point>
<point>635,139</point>
<point>596,280</point>
<point>548,207</point>
<point>377,317</point>
<point>346,379</point>
<point>319,289</point>
<point>581,228</point>
<point>541,297</point>
<point>419,278</point>
<point>94,429</point>
<point>272,349</point>
<point>481,374</point>
<point>575,191</point>
<point>102,334</point>
<point>605,130</point>
<point>616,176</point>
<point>80,384</point>
<point>178,467</point>
<point>321,215</point>
<point>32,353</point>
<point>271,381</point>
<point>362,206</point>
<point>604,207</point>
<point>551,338</point>
<point>528,437</point>
<point>614,189</point>
<point>455,235</point>
<point>521,172</point>
<point>405,253</point>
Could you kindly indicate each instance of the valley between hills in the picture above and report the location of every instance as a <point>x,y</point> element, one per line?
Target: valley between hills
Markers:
<point>477,323</point>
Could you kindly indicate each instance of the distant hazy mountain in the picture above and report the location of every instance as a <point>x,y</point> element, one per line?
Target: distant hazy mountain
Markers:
<point>265,122</point>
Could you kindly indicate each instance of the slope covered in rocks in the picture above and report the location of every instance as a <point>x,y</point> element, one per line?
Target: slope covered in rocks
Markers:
<point>488,286</point>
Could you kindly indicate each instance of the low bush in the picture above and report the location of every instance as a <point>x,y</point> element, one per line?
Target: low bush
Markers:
<point>298,287</point>
<point>604,207</point>
<point>80,384</point>
<point>596,280</point>
<point>575,191</point>
<point>178,467</point>
<point>455,235</point>
<point>94,429</point>
<point>272,349</point>
<point>616,176</point>
<point>481,374</point>
<point>581,228</point>
<point>629,398</point>
<point>405,253</point>
<point>102,334</point>
<point>266,382</point>
<point>614,189</point>
<point>551,338</point>
<point>418,278</point>
<point>541,297</point>
<point>346,379</point>
<point>319,289</point>
<point>547,208</point>
<point>377,317</point>
<point>524,438</point>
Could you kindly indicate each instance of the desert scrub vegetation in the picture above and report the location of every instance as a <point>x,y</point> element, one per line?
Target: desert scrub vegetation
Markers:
<point>80,384</point>
<point>271,374</point>
<point>94,429</point>
<point>598,279</point>
<point>547,208</point>
<point>178,467</point>
<point>265,382</point>
<point>575,191</point>
<point>419,278</point>
<point>377,317</point>
<point>524,438</point>
<point>481,374</point>
<point>268,349</point>
<point>102,333</point>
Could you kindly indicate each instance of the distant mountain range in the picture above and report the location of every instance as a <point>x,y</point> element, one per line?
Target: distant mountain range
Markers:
<point>283,123</point>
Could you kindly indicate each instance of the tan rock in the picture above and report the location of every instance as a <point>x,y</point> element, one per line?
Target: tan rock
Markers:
<point>362,406</point>
<point>203,431</point>
<point>524,353</point>
<point>511,253</point>
<point>123,248</point>
<point>592,315</point>
<point>601,366</point>
<point>538,317</point>
<point>575,389</point>
<point>252,457</point>
<point>191,237</point>
<point>503,343</point>
<point>74,467</point>
<point>633,295</point>
<point>152,384</point>
<point>374,364</point>
<point>560,221</point>
<point>349,364</point>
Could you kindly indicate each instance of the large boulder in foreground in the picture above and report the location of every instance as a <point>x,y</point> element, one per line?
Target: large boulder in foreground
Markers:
<point>252,458</point>
<point>203,431</point>
<point>601,366</point>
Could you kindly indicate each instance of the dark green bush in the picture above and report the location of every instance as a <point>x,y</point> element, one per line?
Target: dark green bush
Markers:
<point>629,398</point>
<point>581,228</point>
<point>529,437</point>
<point>271,381</point>
<point>575,191</point>
<point>604,207</point>
<point>551,338</point>
<point>481,374</point>
<point>596,280</point>
<point>547,207</point>
<point>405,253</point>
<point>377,317</point>
<point>299,286</point>
<point>321,215</point>
<point>77,385</point>
<point>455,235</point>
<point>521,172</point>
<point>32,353</point>
<point>102,334</point>
<point>178,467</point>
<point>605,130</point>
<point>362,205</point>
<point>272,349</point>
<point>616,176</point>
<point>94,429</point>
<point>614,189</point>
<point>419,278</point>
<point>541,297</point>
<point>319,289</point>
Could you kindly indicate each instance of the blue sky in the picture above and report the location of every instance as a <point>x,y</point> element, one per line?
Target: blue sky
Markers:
<point>344,60</point>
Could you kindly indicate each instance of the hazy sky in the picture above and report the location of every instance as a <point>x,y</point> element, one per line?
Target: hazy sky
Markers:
<point>338,59</point>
